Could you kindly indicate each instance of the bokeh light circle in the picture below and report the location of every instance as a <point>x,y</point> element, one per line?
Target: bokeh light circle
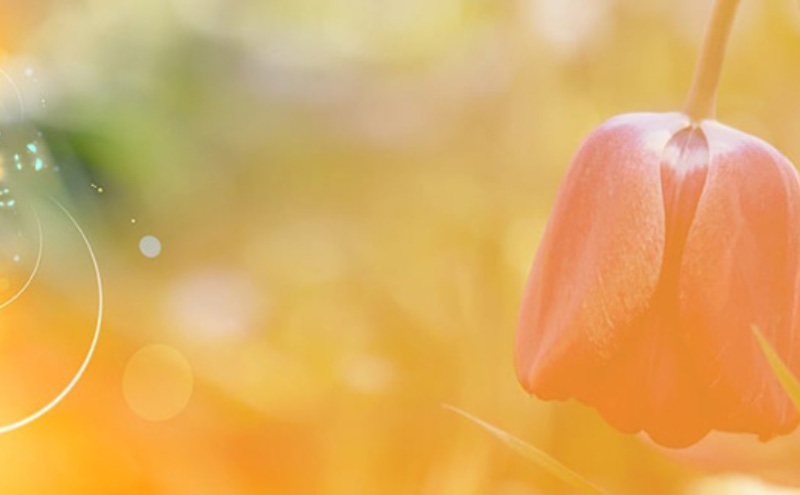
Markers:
<point>158,382</point>
<point>150,246</point>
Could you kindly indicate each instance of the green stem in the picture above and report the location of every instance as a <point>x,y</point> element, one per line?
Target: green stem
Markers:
<point>702,100</point>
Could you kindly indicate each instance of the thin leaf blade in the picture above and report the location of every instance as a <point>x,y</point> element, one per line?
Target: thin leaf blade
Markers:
<point>537,456</point>
<point>782,372</point>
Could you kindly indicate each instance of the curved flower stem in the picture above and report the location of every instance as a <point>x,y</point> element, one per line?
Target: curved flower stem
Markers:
<point>702,100</point>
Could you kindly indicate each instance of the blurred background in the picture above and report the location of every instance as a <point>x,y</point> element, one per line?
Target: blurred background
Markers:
<point>313,221</point>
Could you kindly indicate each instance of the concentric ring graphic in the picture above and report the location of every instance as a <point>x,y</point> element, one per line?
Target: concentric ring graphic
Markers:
<point>99,319</point>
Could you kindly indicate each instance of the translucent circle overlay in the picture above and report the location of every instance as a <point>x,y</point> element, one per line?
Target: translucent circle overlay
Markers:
<point>34,271</point>
<point>158,382</point>
<point>95,337</point>
<point>150,246</point>
<point>7,112</point>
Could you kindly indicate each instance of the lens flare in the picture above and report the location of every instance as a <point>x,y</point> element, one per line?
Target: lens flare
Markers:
<point>23,159</point>
<point>95,336</point>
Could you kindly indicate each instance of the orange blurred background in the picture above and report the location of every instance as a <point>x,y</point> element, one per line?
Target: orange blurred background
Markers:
<point>348,195</point>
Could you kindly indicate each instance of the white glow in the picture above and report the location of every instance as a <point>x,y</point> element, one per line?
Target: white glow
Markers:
<point>150,246</point>
<point>213,305</point>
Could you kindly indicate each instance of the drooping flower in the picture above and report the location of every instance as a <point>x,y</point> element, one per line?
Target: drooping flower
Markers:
<point>671,237</point>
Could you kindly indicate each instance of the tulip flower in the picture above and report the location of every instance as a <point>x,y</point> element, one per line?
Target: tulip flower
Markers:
<point>672,236</point>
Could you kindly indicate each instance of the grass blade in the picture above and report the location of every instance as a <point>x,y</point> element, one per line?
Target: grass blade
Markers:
<point>531,453</point>
<point>782,372</point>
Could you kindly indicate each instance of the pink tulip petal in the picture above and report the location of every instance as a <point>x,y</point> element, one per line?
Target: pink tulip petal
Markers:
<point>739,269</point>
<point>599,260</point>
<point>648,384</point>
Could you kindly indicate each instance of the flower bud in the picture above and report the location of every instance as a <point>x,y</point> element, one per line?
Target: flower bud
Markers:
<point>668,242</point>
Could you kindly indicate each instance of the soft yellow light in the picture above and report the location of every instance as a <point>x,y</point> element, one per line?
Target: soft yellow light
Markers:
<point>738,485</point>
